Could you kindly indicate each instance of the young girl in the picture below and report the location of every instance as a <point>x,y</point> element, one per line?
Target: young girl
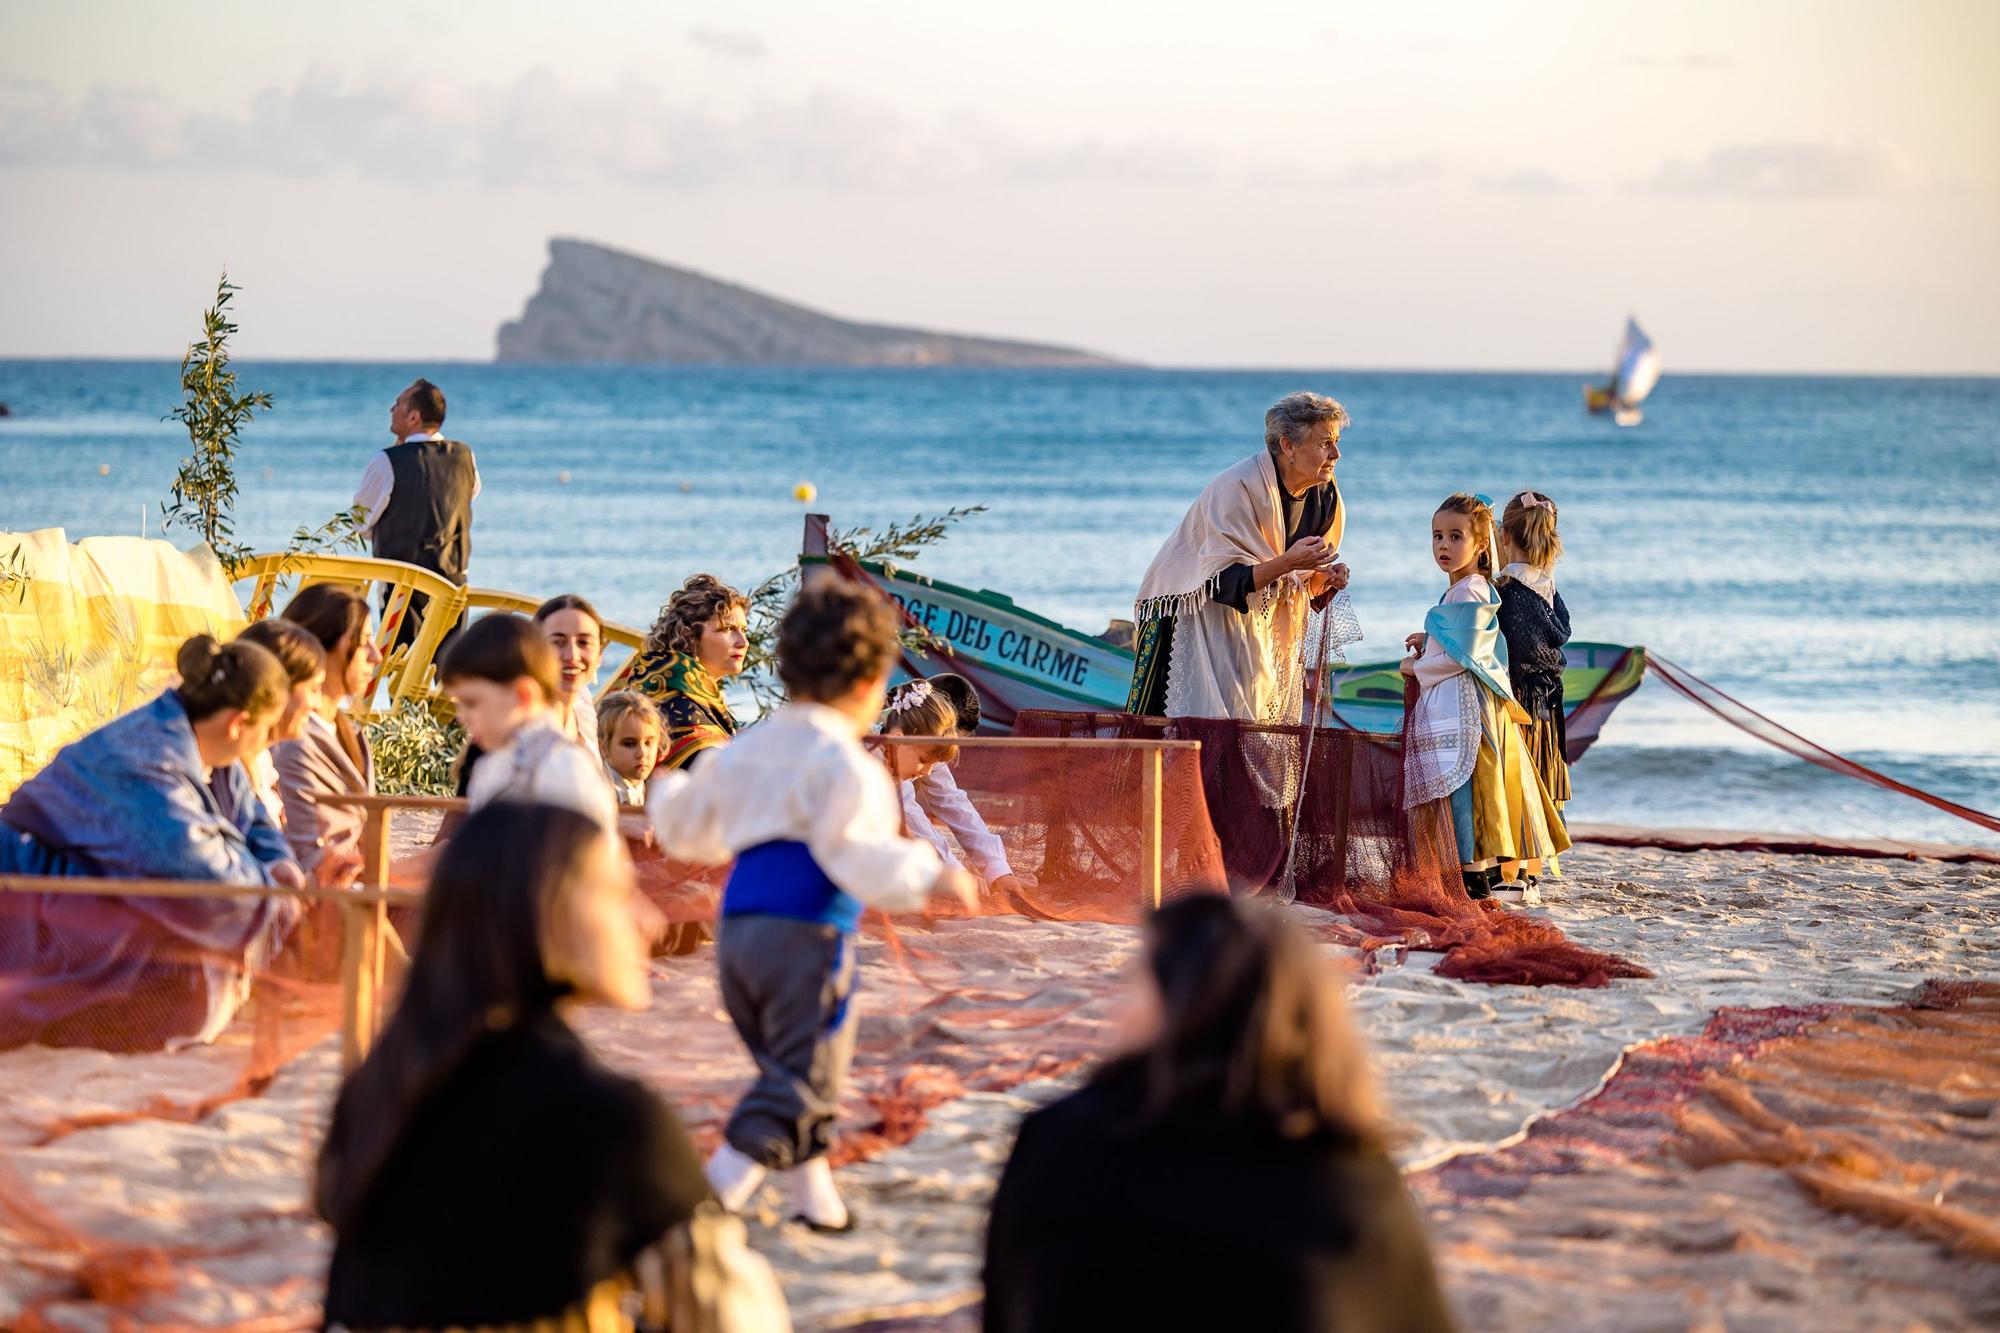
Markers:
<point>629,732</point>
<point>813,825</point>
<point>501,676</point>
<point>919,709</point>
<point>331,756</point>
<point>1536,625</point>
<point>304,661</point>
<point>1465,746</point>
<point>939,799</point>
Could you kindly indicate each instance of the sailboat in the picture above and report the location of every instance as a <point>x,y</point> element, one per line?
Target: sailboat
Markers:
<point>1633,375</point>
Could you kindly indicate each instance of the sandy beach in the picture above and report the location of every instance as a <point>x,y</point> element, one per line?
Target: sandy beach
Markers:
<point>971,1022</point>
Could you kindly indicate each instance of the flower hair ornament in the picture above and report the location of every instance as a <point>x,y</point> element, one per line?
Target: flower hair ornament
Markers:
<point>913,695</point>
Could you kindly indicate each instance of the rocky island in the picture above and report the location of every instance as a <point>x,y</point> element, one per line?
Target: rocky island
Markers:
<point>600,304</point>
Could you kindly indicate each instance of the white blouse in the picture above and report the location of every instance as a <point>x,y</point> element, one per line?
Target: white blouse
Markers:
<point>540,764</point>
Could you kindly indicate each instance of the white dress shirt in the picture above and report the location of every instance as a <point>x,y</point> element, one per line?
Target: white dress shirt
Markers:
<point>799,776</point>
<point>538,763</point>
<point>378,480</point>
<point>940,800</point>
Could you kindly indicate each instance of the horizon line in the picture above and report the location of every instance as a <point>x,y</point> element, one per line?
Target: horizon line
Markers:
<point>1134,367</point>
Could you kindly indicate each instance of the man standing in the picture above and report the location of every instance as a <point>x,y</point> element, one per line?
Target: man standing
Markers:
<point>1222,611</point>
<point>417,496</point>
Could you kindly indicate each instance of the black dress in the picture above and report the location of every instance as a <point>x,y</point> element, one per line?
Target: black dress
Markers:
<point>1105,1220</point>
<point>1536,631</point>
<point>532,1175</point>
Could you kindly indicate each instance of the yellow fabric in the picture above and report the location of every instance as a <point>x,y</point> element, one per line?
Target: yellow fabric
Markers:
<point>89,630</point>
<point>1513,818</point>
<point>1545,753</point>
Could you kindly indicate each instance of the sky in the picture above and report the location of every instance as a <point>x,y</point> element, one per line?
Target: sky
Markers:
<point>1773,185</point>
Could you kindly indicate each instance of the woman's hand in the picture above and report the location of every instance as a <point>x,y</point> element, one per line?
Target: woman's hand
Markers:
<point>1308,553</point>
<point>1336,578</point>
<point>1415,642</point>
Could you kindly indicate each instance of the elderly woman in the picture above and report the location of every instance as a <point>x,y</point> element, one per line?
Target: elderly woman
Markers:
<point>1222,609</point>
<point>699,641</point>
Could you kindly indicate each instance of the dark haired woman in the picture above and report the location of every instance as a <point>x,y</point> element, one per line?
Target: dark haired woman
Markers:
<point>1227,1171</point>
<point>482,1167</point>
<point>330,757</point>
<point>304,661</point>
<point>700,640</point>
<point>134,800</point>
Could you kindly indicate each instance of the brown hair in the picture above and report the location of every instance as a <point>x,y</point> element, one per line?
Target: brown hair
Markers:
<point>1532,528</point>
<point>835,636</point>
<point>331,613</point>
<point>612,709</point>
<point>1253,1023</point>
<point>502,648</point>
<point>427,401</point>
<point>569,601</point>
<point>921,709</point>
<point>217,677</point>
<point>1464,502</point>
<point>298,651</point>
<point>694,606</point>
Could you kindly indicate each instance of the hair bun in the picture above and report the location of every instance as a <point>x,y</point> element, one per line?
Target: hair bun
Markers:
<point>198,657</point>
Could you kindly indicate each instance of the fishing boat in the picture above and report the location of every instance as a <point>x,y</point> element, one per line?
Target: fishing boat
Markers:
<point>1634,372</point>
<point>1020,660</point>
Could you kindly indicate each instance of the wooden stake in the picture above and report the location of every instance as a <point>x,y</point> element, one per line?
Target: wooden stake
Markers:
<point>1151,852</point>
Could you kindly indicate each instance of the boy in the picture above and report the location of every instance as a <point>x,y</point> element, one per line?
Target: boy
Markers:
<point>814,825</point>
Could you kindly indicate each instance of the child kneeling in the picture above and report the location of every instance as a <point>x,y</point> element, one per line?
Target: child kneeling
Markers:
<point>815,828</point>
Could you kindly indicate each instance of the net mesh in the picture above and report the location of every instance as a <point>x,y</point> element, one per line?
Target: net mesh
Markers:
<point>1332,803</point>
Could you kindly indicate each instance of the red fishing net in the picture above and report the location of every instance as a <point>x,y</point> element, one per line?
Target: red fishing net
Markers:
<point>1317,816</point>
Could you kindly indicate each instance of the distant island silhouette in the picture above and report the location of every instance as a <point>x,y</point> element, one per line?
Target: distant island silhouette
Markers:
<point>600,304</point>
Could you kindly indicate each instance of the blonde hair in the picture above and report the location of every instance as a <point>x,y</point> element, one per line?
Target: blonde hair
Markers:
<point>1470,505</point>
<point>615,707</point>
<point>1530,524</point>
<point>921,709</point>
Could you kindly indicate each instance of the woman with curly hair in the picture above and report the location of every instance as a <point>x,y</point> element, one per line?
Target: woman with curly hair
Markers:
<point>699,641</point>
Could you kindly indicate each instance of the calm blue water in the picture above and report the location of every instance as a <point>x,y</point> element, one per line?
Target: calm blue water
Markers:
<point>1827,550</point>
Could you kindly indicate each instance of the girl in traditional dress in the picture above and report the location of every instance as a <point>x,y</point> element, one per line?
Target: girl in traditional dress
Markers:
<point>700,640</point>
<point>1466,746</point>
<point>1536,625</point>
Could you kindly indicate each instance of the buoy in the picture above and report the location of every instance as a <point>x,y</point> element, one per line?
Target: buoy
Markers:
<point>104,469</point>
<point>805,492</point>
<point>686,486</point>
<point>563,477</point>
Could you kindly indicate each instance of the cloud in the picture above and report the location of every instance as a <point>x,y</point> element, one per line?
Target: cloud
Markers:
<point>1783,171</point>
<point>542,131</point>
<point>733,43</point>
<point>1528,181</point>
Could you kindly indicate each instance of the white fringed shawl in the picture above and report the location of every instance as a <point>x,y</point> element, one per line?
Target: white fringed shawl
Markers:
<point>1228,663</point>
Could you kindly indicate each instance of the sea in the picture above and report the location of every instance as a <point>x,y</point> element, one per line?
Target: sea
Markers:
<point>1827,550</point>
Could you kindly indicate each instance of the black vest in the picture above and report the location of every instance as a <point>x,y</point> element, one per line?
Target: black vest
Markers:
<point>428,520</point>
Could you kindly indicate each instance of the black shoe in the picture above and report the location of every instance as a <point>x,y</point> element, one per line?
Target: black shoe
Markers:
<point>822,1228</point>
<point>1478,884</point>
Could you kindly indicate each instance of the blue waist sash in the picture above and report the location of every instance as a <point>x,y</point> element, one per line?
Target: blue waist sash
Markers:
<point>782,879</point>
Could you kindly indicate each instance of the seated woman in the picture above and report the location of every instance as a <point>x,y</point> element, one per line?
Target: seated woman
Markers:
<point>699,641</point>
<point>1235,1144</point>
<point>304,661</point>
<point>330,756</point>
<point>137,799</point>
<point>482,1167</point>
<point>575,632</point>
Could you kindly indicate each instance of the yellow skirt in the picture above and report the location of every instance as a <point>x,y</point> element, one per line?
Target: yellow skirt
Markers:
<point>1513,817</point>
<point>1545,753</point>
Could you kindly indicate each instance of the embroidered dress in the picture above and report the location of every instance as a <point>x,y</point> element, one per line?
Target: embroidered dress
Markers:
<point>1466,745</point>
<point>1536,625</point>
<point>690,701</point>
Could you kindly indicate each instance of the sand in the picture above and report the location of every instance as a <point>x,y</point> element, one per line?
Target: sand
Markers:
<point>1468,1068</point>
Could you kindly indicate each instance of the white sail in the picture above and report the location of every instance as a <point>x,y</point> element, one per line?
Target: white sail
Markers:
<point>1638,366</point>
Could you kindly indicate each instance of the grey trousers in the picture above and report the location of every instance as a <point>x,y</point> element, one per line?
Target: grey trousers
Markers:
<point>788,986</point>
